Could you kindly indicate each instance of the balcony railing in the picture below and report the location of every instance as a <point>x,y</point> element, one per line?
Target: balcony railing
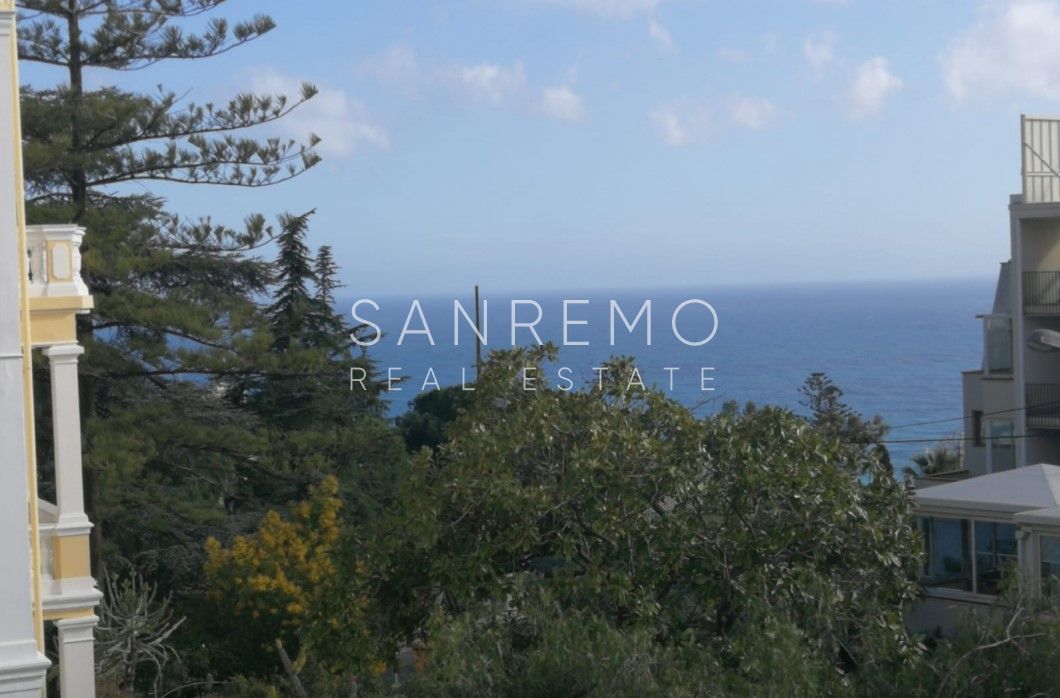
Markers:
<point>1040,159</point>
<point>1041,293</point>
<point>48,516</point>
<point>1043,405</point>
<point>53,261</point>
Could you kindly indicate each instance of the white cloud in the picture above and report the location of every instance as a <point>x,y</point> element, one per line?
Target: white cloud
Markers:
<point>490,84</point>
<point>873,83</point>
<point>681,124</point>
<point>1013,48</point>
<point>751,112</point>
<point>487,82</point>
<point>342,123</point>
<point>607,8</point>
<point>562,103</point>
<point>661,36</point>
<point>770,42</point>
<point>669,124</point>
<point>395,66</point>
<point>819,49</point>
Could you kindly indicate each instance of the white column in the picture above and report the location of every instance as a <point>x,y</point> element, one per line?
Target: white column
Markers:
<point>77,672</point>
<point>66,434</point>
<point>21,665</point>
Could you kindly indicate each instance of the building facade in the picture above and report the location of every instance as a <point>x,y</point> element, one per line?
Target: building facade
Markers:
<point>999,517</point>
<point>46,576</point>
<point>1012,402</point>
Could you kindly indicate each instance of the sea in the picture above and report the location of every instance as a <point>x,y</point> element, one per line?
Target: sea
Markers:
<point>896,349</point>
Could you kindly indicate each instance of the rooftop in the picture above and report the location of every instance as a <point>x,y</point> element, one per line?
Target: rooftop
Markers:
<point>1029,489</point>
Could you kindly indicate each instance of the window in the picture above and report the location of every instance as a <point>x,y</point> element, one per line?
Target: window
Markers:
<point>1049,554</point>
<point>947,559</point>
<point>977,427</point>
<point>997,330</point>
<point>995,554</point>
<point>974,556</point>
<point>1001,451</point>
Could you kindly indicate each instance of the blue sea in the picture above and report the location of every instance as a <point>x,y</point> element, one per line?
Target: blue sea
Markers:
<point>896,349</point>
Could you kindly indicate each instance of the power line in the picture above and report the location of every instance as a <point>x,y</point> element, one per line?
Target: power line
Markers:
<point>985,414</point>
<point>945,439</point>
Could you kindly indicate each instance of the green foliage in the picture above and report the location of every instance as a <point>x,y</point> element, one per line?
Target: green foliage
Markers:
<point>943,457</point>
<point>1011,649</point>
<point>215,381</point>
<point>529,646</point>
<point>532,648</point>
<point>627,507</point>
<point>176,299</point>
<point>282,583</point>
<point>830,415</point>
<point>431,413</point>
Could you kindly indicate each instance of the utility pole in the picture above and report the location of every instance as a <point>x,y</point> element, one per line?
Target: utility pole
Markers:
<point>478,340</point>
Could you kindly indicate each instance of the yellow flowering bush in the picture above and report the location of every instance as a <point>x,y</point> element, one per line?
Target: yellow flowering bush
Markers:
<point>281,575</point>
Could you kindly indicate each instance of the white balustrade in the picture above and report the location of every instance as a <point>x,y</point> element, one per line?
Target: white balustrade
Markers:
<point>53,261</point>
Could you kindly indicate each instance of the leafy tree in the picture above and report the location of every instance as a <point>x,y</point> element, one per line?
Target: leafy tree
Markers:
<point>527,645</point>
<point>430,415</point>
<point>625,506</point>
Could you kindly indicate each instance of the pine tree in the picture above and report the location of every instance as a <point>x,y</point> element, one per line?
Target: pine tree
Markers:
<point>326,272</point>
<point>294,304</point>
<point>176,313</point>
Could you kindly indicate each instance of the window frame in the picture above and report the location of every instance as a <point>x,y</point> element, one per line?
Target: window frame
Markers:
<point>977,428</point>
<point>987,320</point>
<point>991,439</point>
<point>962,594</point>
<point>1040,579</point>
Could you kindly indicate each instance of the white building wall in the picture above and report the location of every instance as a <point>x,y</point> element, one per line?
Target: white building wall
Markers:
<point>21,665</point>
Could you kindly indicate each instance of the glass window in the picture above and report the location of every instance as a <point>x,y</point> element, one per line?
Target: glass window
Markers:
<point>947,559</point>
<point>1001,448</point>
<point>995,554</point>
<point>1049,553</point>
<point>998,343</point>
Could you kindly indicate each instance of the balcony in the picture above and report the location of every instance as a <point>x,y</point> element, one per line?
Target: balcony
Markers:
<point>56,290</point>
<point>1041,293</point>
<point>66,583</point>
<point>1043,405</point>
<point>54,261</point>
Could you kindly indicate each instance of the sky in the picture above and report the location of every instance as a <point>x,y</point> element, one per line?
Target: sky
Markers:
<point>577,144</point>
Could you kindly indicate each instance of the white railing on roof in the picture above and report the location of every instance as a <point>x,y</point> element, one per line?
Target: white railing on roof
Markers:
<point>1040,161</point>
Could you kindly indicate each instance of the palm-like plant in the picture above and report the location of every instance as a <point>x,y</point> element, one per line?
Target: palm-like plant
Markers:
<point>943,457</point>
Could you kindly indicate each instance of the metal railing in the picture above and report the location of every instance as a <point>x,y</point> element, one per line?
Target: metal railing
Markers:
<point>1043,405</point>
<point>1041,293</point>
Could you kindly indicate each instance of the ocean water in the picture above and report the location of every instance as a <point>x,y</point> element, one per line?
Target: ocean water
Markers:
<point>896,349</point>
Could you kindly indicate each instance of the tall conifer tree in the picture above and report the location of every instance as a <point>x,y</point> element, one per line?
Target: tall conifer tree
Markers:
<point>176,298</point>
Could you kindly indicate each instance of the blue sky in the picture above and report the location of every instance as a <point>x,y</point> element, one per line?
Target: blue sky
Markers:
<point>568,144</point>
